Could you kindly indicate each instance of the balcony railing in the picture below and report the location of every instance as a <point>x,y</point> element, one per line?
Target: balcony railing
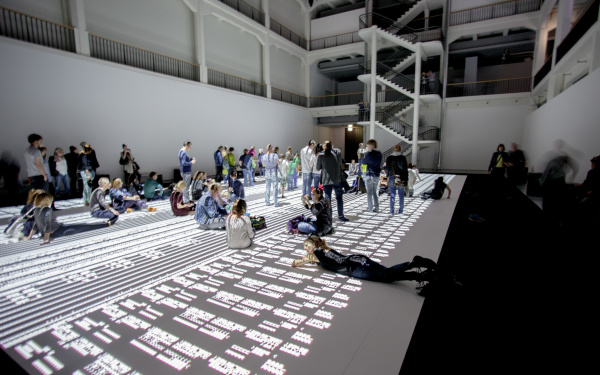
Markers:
<point>36,30</point>
<point>110,50</point>
<point>543,72</point>
<point>246,9</point>
<point>334,41</point>
<point>333,100</point>
<point>231,82</point>
<point>488,12</point>
<point>583,24</point>
<point>495,87</point>
<point>288,34</point>
<point>288,97</point>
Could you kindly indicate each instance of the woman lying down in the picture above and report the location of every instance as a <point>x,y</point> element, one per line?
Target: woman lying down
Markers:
<point>362,267</point>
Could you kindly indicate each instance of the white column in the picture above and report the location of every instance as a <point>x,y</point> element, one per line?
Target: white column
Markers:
<point>306,79</point>
<point>77,16</point>
<point>265,9</point>
<point>426,17</point>
<point>416,101</point>
<point>563,21</point>
<point>266,55</point>
<point>197,6</point>
<point>373,99</point>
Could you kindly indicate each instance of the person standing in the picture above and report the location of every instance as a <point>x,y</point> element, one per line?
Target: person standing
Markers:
<point>88,172</point>
<point>33,162</point>
<point>330,164</point>
<point>271,181</point>
<point>185,168</point>
<point>58,164</point>
<point>218,157</point>
<point>126,161</point>
<point>230,160</point>
<point>72,161</point>
<point>261,167</point>
<point>361,155</point>
<point>499,162</point>
<point>372,161</point>
<point>307,162</point>
<point>92,156</point>
<point>361,111</point>
<point>316,173</point>
<point>516,170</point>
<point>397,170</point>
<point>245,163</point>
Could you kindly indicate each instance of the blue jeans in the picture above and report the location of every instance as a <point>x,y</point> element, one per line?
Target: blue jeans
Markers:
<point>261,171</point>
<point>272,182</point>
<point>105,214</point>
<point>295,179</point>
<point>307,228</point>
<point>316,180</point>
<point>65,182</point>
<point>371,186</point>
<point>187,178</point>
<point>248,176</point>
<point>87,189</point>
<point>338,197</point>
<point>290,182</point>
<point>400,190</point>
<point>306,181</point>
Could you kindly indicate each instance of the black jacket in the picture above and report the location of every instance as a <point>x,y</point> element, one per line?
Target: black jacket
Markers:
<point>396,165</point>
<point>494,160</point>
<point>321,211</point>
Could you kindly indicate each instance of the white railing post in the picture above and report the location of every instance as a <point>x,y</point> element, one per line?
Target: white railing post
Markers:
<point>77,16</point>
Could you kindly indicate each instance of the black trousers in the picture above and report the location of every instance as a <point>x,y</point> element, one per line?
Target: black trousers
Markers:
<point>219,175</point>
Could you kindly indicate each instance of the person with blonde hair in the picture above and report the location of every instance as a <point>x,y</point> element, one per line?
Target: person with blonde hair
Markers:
<point>46,223</point>
<point>59,171</point>
<point>239,228</point>
<point>176,199</point>
<point>209,212</point>
<point>363,267</point>
<point>123,201</point>
<point>27,211</point>
<point>322,222</point>
<point>98,206</point>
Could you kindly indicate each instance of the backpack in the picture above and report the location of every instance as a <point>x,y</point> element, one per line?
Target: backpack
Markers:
<point>292,224</point>
<point>361,185</point>
<point>20,224</point>
<point>258,222</point>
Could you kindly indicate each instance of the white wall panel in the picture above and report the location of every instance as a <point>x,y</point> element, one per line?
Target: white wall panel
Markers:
<point>287,71</point>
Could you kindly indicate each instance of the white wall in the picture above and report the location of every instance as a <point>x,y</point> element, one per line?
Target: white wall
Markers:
<point>472,130</point>
<point>337,24</point>
<point>287,71</point>
<point>231,51</point>
<point>69,98</point>
<point>51,10</point>
<point>166,27</point>
<point>571,116</point>
<point>319,83</point>
<point>289,13</point>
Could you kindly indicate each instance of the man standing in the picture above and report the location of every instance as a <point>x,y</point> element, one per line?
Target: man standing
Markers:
<point>397,171</point>
<point>185,168</point>
<point>271,179</point>
<point>246,165</point>
<point>218,156</point>
<point>33,161</point>
<point>307,161</point>
<point>72,161</point>
<point>372,161</point>
<point>516,169</point>
<point>230,160</point>
<point>330,164</point>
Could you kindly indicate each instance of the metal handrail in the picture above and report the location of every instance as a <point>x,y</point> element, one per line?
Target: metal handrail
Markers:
<point>36,30</point>
<point>335,40</point>
<point>288,34</point>
<point>389,74</point>
<point>394,123</point>
<point>491,87</point>
<point>246,9</point>
<point>122,53</point>
<point>585,21</point>
<point>228,81</point>
<point>498,10</point>
<point>388,25</point>
<point>288,97</point>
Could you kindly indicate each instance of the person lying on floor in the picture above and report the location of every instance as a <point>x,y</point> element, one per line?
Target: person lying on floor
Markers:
<point>176,198</point>
<point>98,206</point>
<point>322,222</point>
<point>47,225</point>
<point>362,267</point>
<point>438,190</point>
<point>239,228</point>
<point>123,201</point>
<point>209,212</point>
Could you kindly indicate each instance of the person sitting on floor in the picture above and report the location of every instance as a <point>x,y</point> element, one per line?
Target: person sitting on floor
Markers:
<point>123,201</point>
<point>322,223</point>
<point>28,229</point>
<point>236,188</point>
<point>98,206</point>
<point>47,225</point>
<point>135,188</point>
<point>353,168</point>
<point>384,186</point>
<point>239,228</point>
<point>154,191</point>
<point>438,190</point>
<point>199,185</point>
<point>176,198</point>
<point>361,266</point>
<point>209,212</point>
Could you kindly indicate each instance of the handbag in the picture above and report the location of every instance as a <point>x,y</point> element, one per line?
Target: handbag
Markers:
<point>258,222</point>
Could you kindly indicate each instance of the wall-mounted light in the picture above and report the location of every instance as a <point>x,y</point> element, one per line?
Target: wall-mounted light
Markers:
<point>350,127</point>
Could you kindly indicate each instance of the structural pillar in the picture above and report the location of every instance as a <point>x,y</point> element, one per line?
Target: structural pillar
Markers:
<point>265,9</point>
<point>197,6</point>
<point>373,100</point>
<point>267,64</point>
<point>416,101</point>
<point>426,11</point>
<point>77,17</point>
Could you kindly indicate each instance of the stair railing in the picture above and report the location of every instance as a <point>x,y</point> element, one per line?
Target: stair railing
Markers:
<point>389,25</point>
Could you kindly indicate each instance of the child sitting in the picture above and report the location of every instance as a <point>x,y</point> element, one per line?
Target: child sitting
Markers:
<point>383,182</point>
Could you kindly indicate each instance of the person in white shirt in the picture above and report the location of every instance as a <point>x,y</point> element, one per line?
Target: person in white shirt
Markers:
<point>58,165</point>
<point>282,173</point>
<point>307,161</point>
<point>353,168</point>
<point>413,174</point>
<point>239,228</point>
